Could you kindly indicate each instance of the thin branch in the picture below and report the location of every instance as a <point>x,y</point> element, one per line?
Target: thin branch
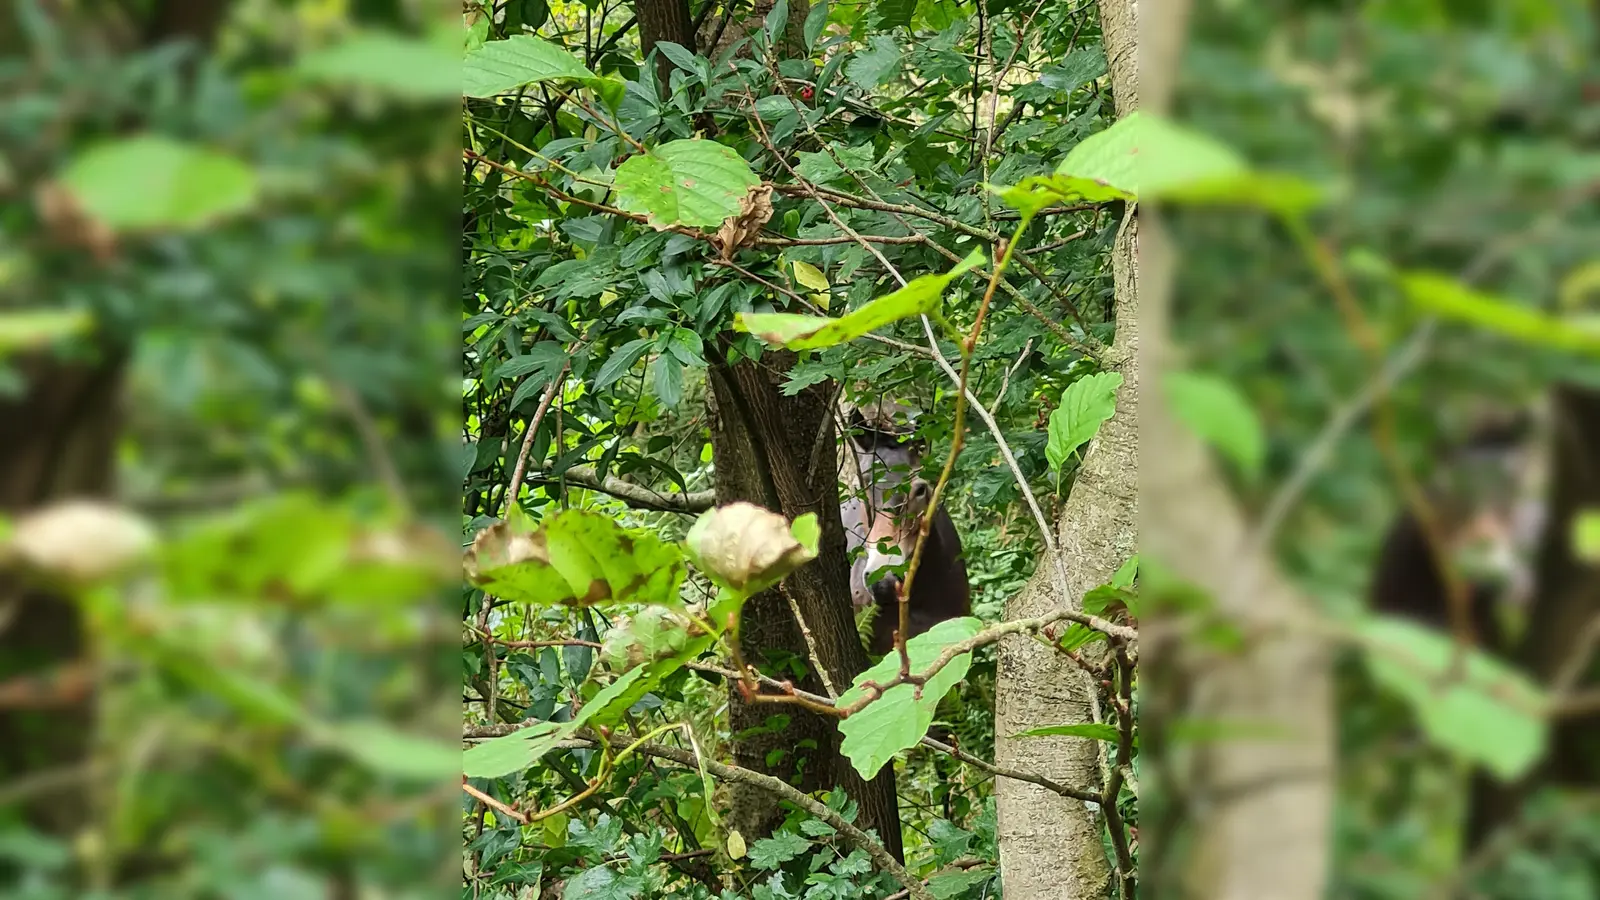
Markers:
<point>636,496</point>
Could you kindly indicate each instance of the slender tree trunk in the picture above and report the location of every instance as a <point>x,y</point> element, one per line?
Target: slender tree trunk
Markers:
<point>781,453</point>
<point>1050,846</point>
<point>1245,817</point>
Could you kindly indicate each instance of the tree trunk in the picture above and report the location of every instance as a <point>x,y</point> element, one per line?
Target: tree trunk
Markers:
<point>664,20</point>
<point>1244,817</point>
<point>1566,604</point>
<point>781,453</point>
<point>57,440</point>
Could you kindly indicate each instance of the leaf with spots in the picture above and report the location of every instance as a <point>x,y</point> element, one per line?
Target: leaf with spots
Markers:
<point>574,558</point>
<point>690,182</point>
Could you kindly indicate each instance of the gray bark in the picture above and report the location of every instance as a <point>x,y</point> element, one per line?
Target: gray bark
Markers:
<point>1246,817</point>
<point>1050,846</point>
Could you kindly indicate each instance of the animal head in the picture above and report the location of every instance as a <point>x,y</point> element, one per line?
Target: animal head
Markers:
<point>884,519</point>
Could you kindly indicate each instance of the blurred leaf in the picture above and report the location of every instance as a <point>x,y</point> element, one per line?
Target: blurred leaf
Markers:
<point>1586,536</point>
<point>772,852</point>
<point>383,749</point>
<point>688,182</point>
<point>27,329</point>
<point>871,67</point>
<point>954,884</point>
<point>1445,296</point>
<point>155,182</point>
<point>1085,405</point>
<point>1216,411</point>
<point>1488,713</point>
<point>920,296</point>
<point>394,63</point>
<point>898,719</point>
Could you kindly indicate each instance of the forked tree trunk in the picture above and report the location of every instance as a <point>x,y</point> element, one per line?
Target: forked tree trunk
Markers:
<point>781,453</point>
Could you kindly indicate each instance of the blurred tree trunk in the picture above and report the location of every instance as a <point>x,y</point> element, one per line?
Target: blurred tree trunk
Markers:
<point>1565,610</point>
<point>1050,846</point>
<point>780,453</point>
<point>1245,816</point>
<point>58,440</point>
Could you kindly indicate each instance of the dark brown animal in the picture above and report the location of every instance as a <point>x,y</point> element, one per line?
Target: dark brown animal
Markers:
<point>881,526</point>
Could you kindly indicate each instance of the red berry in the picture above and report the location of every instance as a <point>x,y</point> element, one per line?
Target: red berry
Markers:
<point>806,93</point>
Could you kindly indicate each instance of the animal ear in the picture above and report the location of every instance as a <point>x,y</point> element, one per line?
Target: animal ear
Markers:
<point>921,494</point>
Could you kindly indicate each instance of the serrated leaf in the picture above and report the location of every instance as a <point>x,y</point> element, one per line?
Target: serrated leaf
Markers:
<point>872,66</point>
<point>798,332</point>
<point>810,276</point>
<point>687,182</point>
<point>577,558</point>
<point>154,182</point>
<point>1096,731</point>
<point>393,63</point>
<point>1488,712</point>
<point>772,852</point>
<point>1085,405</point>
<point>1447,297</point>
<point>499,67</point>
<point>1213,409</point>
<point>898,719</point>
<point>819,167</point>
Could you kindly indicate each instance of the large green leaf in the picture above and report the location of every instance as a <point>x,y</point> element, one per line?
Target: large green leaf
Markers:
<point>1488,712</point>
<point>405,66</point>
<point>1445,296</point>
<point>1145,155</point>
<point>1085,404</point>
<point>499,67</point>
<point>898,719</point>
<point>1220,415</point>
<point>155,182</point>
<point>577,557</point>
<point>798,332</point>
<point>689,182</point>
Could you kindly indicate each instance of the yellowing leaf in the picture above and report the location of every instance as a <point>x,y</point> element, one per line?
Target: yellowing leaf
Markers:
<point>810,276</point>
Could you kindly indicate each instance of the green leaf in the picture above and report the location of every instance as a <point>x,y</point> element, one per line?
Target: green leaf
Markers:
<point>1216,411</point>
<point>1147,155</point>
<point>154,182</point>
<point>772,852</point>
<point>577,558</point>
<point>898,719</point>
<point>520,749</point>
<point>499,67</point>
<point>602,883</point>
<point>514,752</point>
<point>1488,712</point>
<point>1447,297</point>
<point>816,20</point>
<point>954,884</point>
<point>688,182</point>
<point>396,64</point>
<point>668,378</point>
<point>1085,404</point>
<point>895,13</point>
<point>1586,536</point>
<point>1096,731</point>
<point>383,749</point>
<point>777,19</point>
<point>797,332</point>
<point>26,329</point>
<point>620,361</point>
<point>872,66</point>
<point>818,167</point>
